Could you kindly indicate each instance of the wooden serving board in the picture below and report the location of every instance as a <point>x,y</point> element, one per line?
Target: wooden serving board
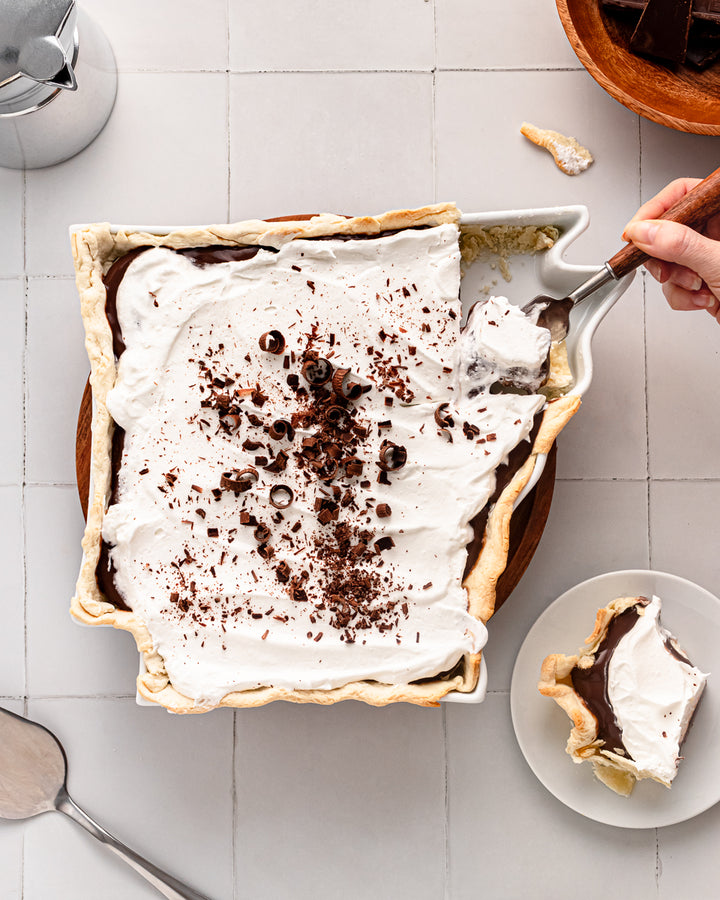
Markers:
<point>526,527</point>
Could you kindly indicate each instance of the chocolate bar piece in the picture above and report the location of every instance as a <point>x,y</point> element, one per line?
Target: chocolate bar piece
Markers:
<point>702,10</point>
<point>663,30</point>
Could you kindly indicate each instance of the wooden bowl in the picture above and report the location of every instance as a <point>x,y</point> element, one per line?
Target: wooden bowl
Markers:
<point>526,525</point>
<point>682,98</point>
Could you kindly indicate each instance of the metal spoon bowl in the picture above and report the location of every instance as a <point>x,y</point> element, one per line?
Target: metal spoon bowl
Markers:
<point>33,775</point>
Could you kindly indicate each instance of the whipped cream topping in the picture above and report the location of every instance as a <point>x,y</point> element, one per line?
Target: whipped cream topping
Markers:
<point>653,690</point>
<point>500,344</point>
<point>330,548</point>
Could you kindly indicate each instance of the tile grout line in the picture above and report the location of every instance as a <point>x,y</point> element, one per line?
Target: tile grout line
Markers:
<point>23,523</point>
<point>446,809</point>
<point>658,863</point>
<point>418,70</point>
<point>234,817</point>
<point>227,106</point>
<point>433,111</point>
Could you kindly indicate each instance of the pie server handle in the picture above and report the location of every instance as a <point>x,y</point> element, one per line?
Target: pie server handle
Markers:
<point>694,209</point>
<point>167,885</point>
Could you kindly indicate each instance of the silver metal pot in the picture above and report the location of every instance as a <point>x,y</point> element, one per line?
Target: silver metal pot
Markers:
<point>58,82</point>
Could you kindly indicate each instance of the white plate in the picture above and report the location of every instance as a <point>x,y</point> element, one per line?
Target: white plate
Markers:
<point>542,727</point>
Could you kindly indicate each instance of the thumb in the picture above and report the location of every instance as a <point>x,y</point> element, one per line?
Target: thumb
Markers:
<point>679,244</point>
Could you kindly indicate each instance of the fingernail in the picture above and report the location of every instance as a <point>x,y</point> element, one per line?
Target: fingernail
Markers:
<point>703,300</point>
<point>641,232</point>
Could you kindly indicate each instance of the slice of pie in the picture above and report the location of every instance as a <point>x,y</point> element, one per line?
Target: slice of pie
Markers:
<point>293,439</point>
<point>631,693</point>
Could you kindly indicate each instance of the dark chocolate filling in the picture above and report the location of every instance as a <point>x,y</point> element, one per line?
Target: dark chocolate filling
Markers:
<point>504,474</point>
<point>591,683</point>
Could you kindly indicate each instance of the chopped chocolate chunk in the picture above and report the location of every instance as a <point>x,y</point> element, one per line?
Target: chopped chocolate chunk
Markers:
<point>353,466</point>
<point>279,463</point>
<point>384,543</point>
<point>283,572</point>
<point>382,510</point>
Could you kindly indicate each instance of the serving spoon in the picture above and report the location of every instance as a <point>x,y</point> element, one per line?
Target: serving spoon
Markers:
<point>33,774</point>
<point>694,209</point>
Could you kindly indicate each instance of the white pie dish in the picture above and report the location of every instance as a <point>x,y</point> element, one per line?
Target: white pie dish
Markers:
<point>547,273</point>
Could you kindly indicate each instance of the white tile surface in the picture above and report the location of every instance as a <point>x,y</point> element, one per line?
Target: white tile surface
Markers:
<point>350,108</point>
<point>311,35</point>
<point>689,848</point>
<point>65,658</point>
<point>145,36</point>
<point>484,163</point>
<point>57,369</point>
<point>607,438</point>
<point>140,168</point>
<point>161,784</point>
<point>507,836</point>
<point>671,154</point>
<point>12,633</point>
<point>320,161</point>
<point>683,366</point>
<point>332,785</point>
<point>12,352</point>
<point>11,222</point>
<point>683,523</point>
<point>535,38</point>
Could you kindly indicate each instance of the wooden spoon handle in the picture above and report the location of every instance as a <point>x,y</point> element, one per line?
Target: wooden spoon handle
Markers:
<point>693,210</point>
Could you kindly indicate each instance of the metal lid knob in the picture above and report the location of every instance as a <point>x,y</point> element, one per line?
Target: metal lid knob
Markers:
<point>43,59</point>
<point>30,43</point>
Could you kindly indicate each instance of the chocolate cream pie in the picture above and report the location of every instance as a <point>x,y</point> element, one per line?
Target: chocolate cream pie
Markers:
<point>303,464</point>
<point>631,693</point>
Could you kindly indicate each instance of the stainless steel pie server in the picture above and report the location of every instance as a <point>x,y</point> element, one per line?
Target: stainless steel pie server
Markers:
<point>33,771</point>
<point>693,210</point>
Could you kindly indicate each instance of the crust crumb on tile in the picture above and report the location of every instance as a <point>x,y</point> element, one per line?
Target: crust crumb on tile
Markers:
<point>570,156</point>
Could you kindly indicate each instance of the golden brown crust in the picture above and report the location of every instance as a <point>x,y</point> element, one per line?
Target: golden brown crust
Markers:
<point>95,248</point>
<point>570,156</point>
<point>481,581</point>
<point>617,773</point>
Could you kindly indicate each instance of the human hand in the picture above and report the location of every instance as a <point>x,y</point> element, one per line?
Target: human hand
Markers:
<point>684,261</point>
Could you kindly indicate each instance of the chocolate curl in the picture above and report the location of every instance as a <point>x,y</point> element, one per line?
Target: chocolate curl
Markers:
<point>443,417</point>
<point>272,342</point>
<point>281,429</point>
<point>281,496</point>
<point>317,371</point>
<point>343,387</point>
<point>239,480</point>
<point>337,416</point>
<point>262,534</point>
<point>392,456</point>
